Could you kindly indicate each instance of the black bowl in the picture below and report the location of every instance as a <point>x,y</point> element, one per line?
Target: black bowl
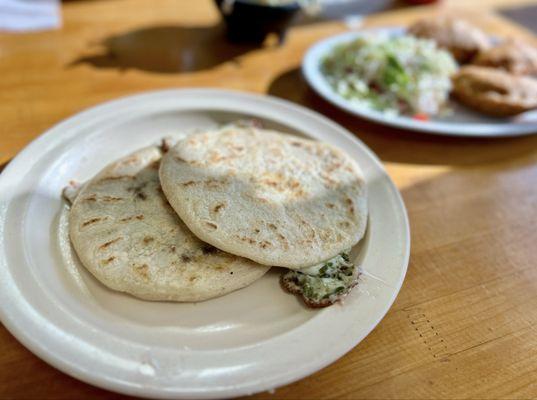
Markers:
<point>248,21</point>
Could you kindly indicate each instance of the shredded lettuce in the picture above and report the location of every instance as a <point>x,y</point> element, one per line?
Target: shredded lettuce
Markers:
<point>394,74</point>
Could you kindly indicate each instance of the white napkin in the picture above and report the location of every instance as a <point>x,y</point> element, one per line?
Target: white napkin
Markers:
<point>29,15</point>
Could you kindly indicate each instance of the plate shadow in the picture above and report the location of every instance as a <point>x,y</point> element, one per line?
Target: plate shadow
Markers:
<point>3,166</point>
<point>165,49</point>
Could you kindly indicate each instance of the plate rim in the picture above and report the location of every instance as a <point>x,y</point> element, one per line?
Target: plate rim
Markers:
<point>88,377</point>
<point>314,78</point>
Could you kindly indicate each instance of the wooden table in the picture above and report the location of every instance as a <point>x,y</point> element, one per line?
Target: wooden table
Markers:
<point>464,324</point>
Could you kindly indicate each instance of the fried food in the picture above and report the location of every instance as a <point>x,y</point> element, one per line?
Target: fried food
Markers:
<point>462,39</point>
<point>514,56</point>
<point>495,92</point>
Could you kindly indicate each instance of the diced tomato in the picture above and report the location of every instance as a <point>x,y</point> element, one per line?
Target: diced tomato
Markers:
<point>421,117</point>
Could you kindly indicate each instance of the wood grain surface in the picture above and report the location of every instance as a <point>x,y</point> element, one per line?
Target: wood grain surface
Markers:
<point>464,324</point>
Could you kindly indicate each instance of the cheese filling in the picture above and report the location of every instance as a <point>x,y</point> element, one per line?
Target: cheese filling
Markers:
<point>329,280</point>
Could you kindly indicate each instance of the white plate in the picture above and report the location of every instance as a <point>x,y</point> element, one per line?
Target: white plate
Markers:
<point>252,340</point>
<point>462,122</point>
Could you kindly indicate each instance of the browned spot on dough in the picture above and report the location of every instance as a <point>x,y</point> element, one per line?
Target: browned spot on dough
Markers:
<point>188,183</point>
<point>350,204</point>
<point>280,183</point>
<point>108,260</point>
<point>92,221</point>
<point>138,217</point>
<point>328,181</point>
<point>333,166</point>
<point>256,230</point>
<point>215,183</point>
<point>276,151</point>
<point>113,178</point>
<point>344,224</point>
<point>218,207</point>
<point>282,238</point>
<point>211,225</point>
<point>90,198</point>
<point>172,249</point>
<point>216,157</point>
<point>330,205</point>
<point>185,258</point>
<point>111,199</point>
<point>107,244</point>
<point>155,164</point>
<point>297,144</point>
<point>193,278</point>
<point>264,244</point>
<point>249,240</point>
<point>143,271</point>
<point>299,193</point>
<point>324,235</point>
<point>246,239</point>
<point>148,239</point>
<point>308,226</point>
<point>179,159</point>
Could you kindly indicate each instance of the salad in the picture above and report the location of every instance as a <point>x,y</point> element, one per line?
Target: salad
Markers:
<point>392,74</point>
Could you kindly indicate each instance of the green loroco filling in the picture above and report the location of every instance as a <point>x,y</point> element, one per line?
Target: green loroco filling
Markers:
<point>326,281</point>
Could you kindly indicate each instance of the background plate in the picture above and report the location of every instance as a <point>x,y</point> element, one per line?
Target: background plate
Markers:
<point>234,345</point>
<point>462,122</point>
